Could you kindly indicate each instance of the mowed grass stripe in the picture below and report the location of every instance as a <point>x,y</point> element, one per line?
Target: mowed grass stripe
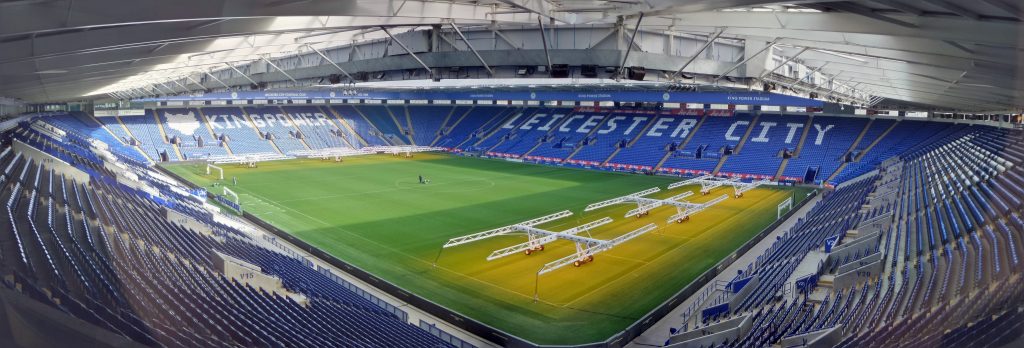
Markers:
<point>370,211</point>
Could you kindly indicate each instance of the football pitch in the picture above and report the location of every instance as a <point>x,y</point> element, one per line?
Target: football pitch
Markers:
<point>372,212</point>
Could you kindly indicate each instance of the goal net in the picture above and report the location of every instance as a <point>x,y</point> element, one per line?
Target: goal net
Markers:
<point>785,205</point>
<point>210,168</point>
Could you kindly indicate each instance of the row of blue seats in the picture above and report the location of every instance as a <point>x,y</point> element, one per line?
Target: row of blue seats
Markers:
<point>111,258</point>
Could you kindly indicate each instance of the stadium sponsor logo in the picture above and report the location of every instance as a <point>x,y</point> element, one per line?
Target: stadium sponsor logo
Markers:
<point>184,123</point>
<point>269,120</point>
<point>748,98</point>
<point>674,127</point>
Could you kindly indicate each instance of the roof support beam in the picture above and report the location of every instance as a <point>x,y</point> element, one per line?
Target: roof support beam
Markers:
<point>811,73</point>
<point>168,89</point>
<point>324,56</point>
<point>959,46</point>
<point>902,7</point>
<point>544,40</point>
<point>790,59</point>
<point>836,85</point>
<point>629,48</point>
<point>195,82</point>
<point>747,59</point>
<point>180,84</point>
<point>232,66</point>
<point>217,79</point>
<point>711,40</point>
<point>866,12</point>
<point>540,7</point>
<point>955,9</point>
<point>407,50</point>
<point>477,54</point>
<point>281,70</point>
<point>1003,5</point>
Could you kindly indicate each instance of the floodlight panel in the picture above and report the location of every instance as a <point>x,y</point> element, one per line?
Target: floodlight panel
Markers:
<point>693,208</point>
<point>644,207</point>
<point>689,181</point>
<point>566,236</point>
<point>589,225</point>
<point>681,196</point>
<point>603,204</point>
<point>627,198</point>
<point>568,260</point>
<point>715,201</point>
<point>544,219</point>
<point>515,249</point>
<point>478,236</point>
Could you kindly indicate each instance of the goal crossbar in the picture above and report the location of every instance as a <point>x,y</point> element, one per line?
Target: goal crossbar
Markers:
<point>220,170</point>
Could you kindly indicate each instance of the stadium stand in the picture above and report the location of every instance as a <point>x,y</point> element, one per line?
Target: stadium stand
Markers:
<point>110,255</point>
<point>194,137</point>
<point>366,132</point>
<point>512,173</point>
<point>150,136</point>
<point>425,122</point>
<point>762,153</point>
<point>930,237</point>
<point>945,271</point>
<point>815,159</point>
<point>241,134</point>
<point>276,126</point>
<point>317,128</point>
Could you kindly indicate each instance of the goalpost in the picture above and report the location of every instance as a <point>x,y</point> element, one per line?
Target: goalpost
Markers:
<point>238,205</point>
<point>219,170</point>
<point>786,204</point>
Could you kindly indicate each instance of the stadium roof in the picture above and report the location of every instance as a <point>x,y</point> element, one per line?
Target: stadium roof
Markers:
<point>950,54</point>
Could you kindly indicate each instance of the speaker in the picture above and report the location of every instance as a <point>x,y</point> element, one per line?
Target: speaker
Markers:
<point>362,76</point>
<point>637,73</point>
<point>560,71</point>
<point>334,79</point>
<point>589,70</point>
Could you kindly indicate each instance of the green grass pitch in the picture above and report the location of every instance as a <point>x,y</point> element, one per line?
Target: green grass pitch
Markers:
<point>372,212</point>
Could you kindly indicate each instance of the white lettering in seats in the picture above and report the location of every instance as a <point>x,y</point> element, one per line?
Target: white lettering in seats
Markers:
<point>821,133</point>
<point>763,136</point>
<point>732,129</point>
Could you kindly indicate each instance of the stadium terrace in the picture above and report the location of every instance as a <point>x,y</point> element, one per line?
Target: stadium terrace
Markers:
<point>548,173</point>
